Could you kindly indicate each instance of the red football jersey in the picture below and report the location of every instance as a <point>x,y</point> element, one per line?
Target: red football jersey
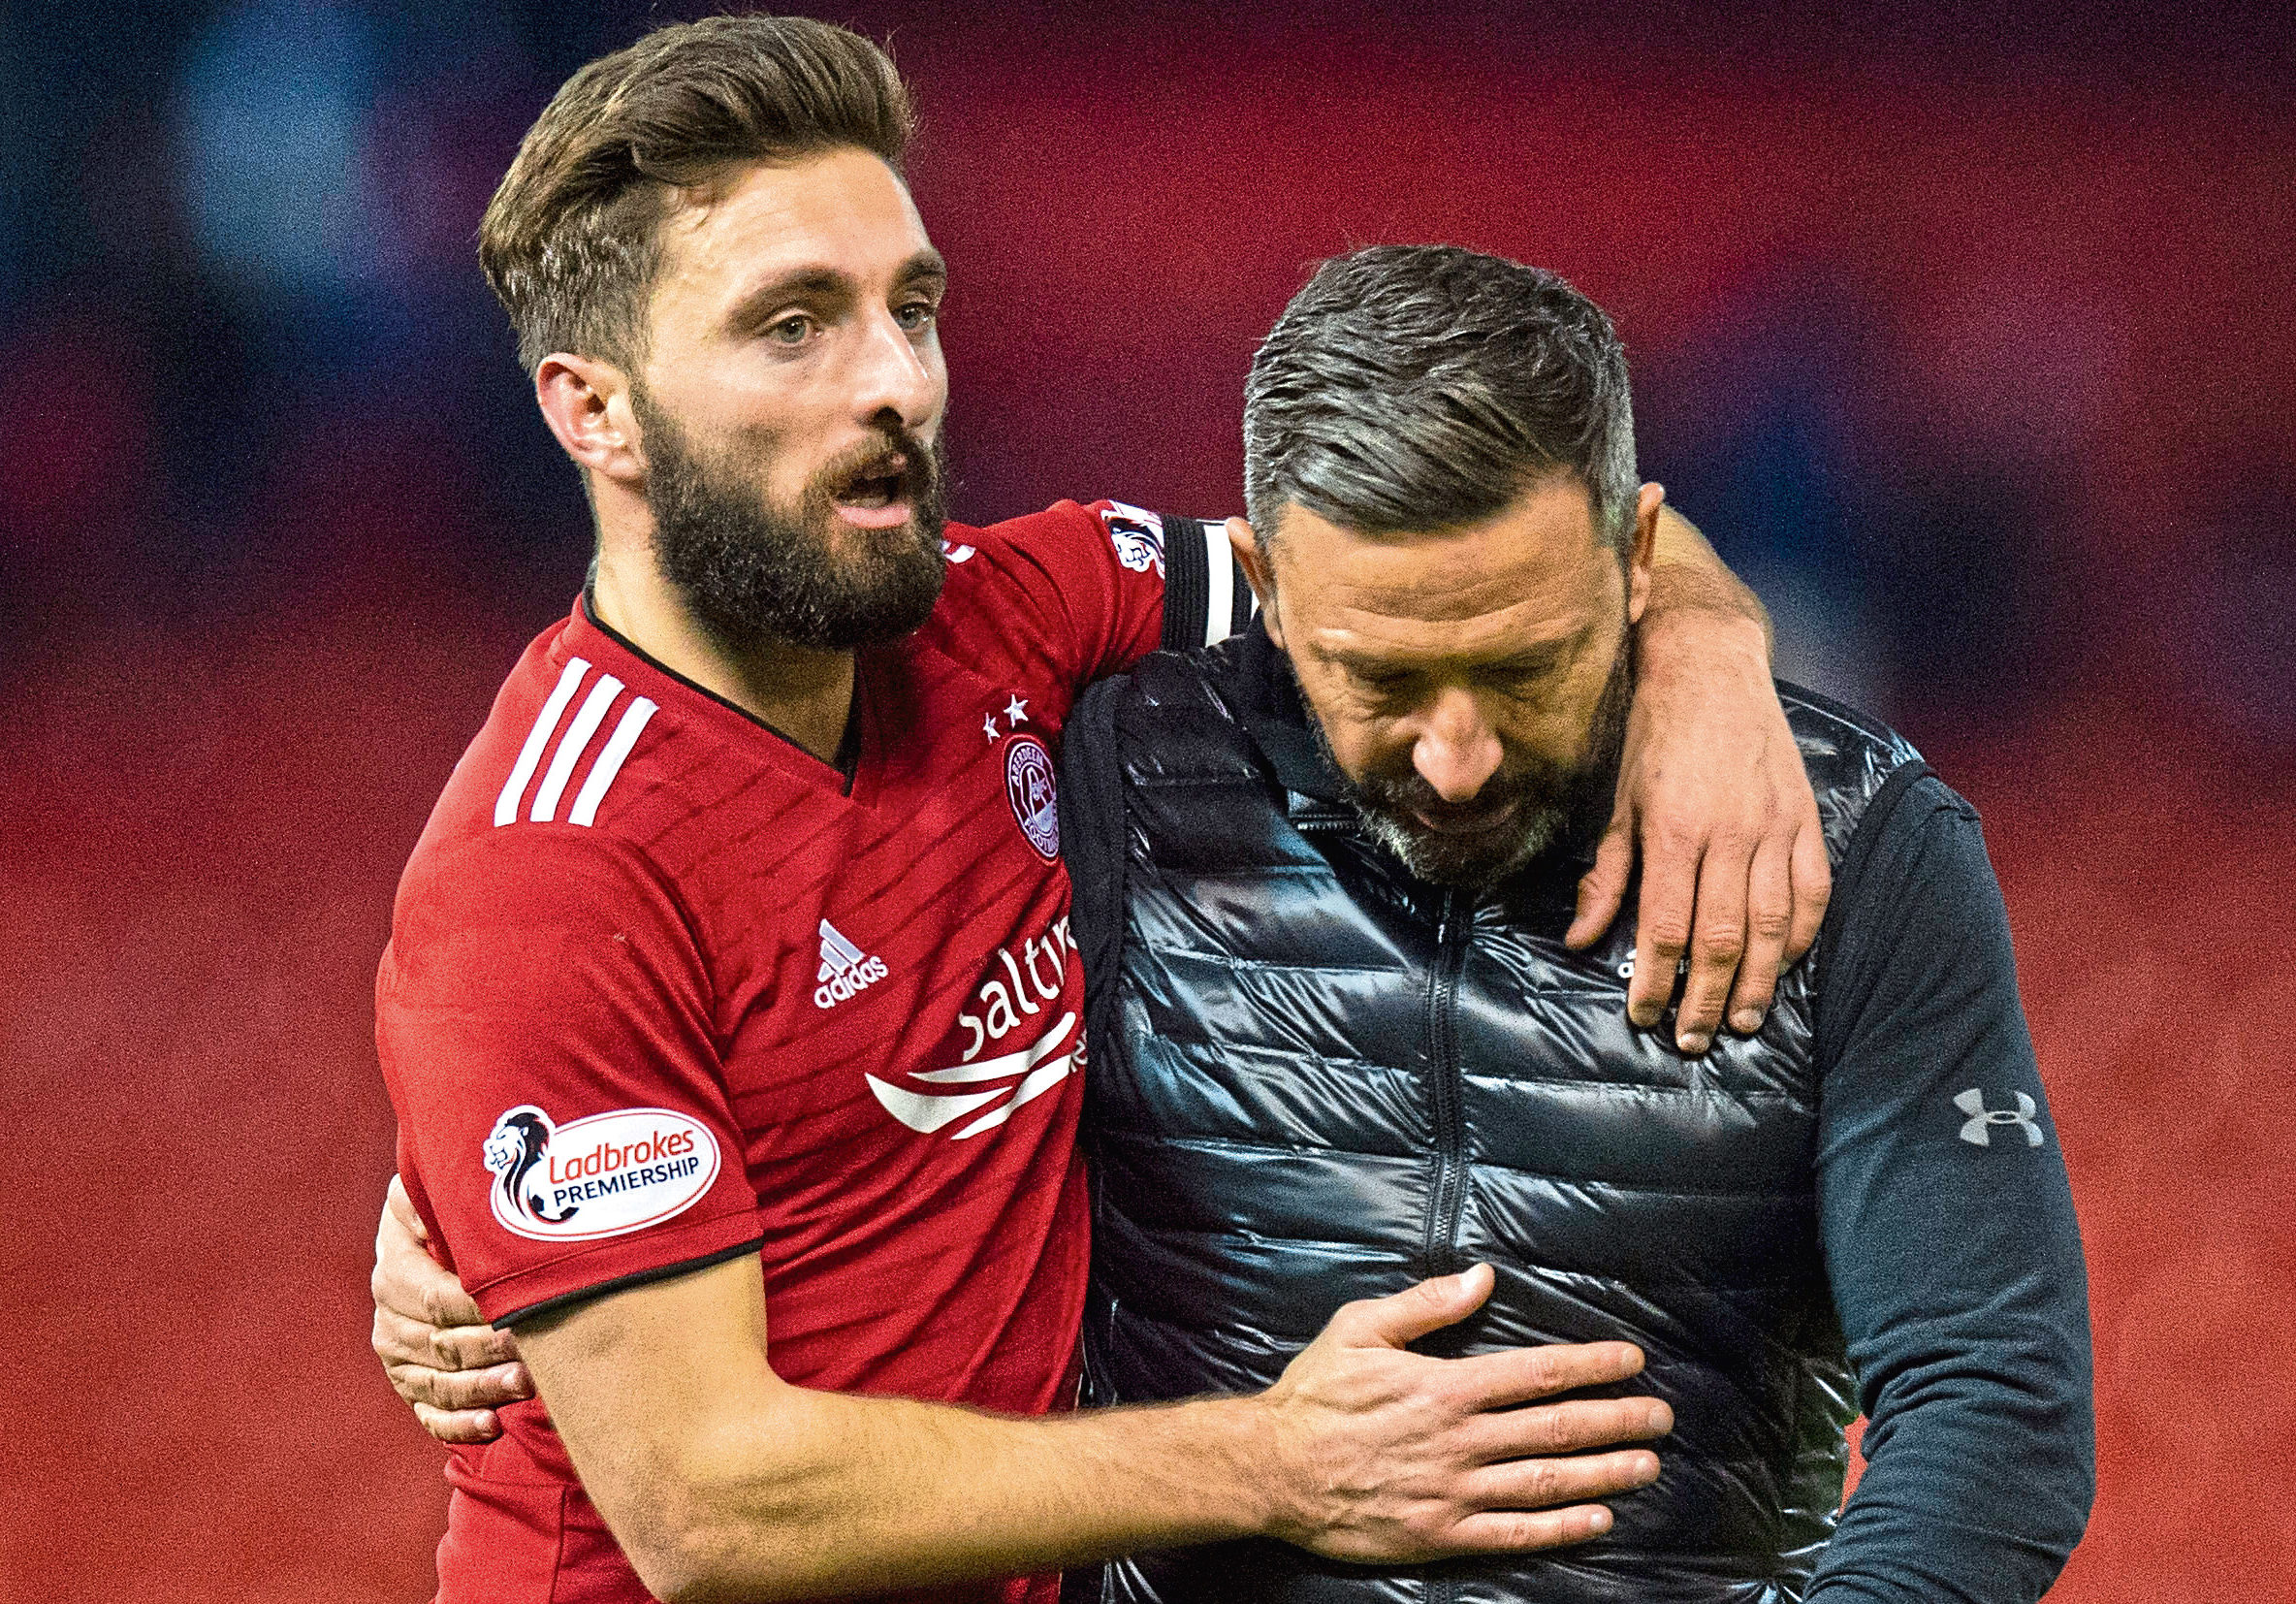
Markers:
<point>662,988</point>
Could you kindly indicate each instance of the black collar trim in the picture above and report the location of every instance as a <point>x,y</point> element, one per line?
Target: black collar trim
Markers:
<point>849,744</point>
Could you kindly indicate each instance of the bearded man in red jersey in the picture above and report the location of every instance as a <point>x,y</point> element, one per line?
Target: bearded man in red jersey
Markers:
<point>732,975</point>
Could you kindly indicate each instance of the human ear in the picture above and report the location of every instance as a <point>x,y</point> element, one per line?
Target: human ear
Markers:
<point>1643,550</point>
<point>585,402</point>
<point>1246,546</point>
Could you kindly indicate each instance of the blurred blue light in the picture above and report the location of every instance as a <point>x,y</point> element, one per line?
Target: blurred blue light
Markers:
<point>271,117</point>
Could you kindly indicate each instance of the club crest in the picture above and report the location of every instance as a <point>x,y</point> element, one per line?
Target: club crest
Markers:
<point>1030,786</point>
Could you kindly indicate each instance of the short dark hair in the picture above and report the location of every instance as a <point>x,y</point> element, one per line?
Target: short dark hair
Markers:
<point>1425,387</point>
<point>570,241</point>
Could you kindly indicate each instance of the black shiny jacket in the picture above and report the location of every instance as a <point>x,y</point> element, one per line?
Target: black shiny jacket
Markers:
<point>1316,1078</point>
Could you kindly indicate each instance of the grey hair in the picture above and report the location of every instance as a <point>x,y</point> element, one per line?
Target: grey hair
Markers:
<point>1410,388</point>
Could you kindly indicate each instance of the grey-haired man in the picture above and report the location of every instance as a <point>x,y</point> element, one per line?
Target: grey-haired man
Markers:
<point>1323,874</point>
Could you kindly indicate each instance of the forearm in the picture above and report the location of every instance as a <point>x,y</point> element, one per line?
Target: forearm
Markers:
<point>1982,1503</point>
<point>1980,1445</point>
<point>720,1480</point>
<point>1703,631</point>
<point>723,1481</point>
<point>825,1494</point>
<point>1687,579</point>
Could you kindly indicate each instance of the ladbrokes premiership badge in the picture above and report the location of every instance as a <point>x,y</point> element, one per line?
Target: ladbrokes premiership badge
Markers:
<point>598,1177</point>
<point>1036,800</point>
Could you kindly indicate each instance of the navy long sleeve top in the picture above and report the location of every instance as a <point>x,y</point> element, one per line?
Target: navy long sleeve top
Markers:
<point>1948,1226</point>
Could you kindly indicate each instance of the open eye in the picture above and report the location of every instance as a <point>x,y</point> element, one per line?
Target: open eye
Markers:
<point>916,316</point>
<point>792,330</point>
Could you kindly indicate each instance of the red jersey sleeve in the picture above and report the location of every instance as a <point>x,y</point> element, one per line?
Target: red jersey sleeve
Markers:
<point>543,1016</point>
<point>1094,587</point>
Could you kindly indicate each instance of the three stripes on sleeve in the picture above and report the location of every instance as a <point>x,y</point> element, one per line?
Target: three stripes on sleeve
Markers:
<point>1205,601</point>
<point>571,746</point>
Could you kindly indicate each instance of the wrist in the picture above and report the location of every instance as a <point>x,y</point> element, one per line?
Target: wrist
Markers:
<point>1697,630</point>
<point>1266,1495</point>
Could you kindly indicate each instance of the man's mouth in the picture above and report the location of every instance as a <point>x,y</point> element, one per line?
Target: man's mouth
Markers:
<point>1466,819</point>
<point>877,497</point>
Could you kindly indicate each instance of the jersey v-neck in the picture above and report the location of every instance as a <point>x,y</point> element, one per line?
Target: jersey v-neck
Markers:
<point>846,763</point>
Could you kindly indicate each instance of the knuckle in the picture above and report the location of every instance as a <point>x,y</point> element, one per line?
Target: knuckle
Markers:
<point>1542,1429</point>
<point>1530,1534</point>
<point>1719,943</point>
<point>1703,988</point>
<point>1675,837</point>
<point>1460,1400</point>
<point>442,1304</point>
<point>1669,932</point>
<point>1418,1295</point>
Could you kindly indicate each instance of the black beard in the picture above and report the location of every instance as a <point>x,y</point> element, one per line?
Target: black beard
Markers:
<point>1557,805</point>
<point>751,569</point>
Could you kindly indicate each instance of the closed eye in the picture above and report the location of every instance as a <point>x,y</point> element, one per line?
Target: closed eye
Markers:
<point>1379,683</point>
<point>1518,679</point>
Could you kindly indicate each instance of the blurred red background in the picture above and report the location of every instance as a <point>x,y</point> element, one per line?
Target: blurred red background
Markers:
<point>1968,343</point>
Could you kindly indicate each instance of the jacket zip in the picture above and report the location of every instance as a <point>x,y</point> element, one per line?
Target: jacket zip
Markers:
<point>1451,930</point>
<point>1443,1040</point>
<point>1441,1249</point>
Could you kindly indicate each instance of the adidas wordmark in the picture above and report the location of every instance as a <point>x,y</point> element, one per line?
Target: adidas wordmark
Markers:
<point>845,970</point>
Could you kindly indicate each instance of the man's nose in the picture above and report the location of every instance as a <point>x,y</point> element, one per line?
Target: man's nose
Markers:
<point>893,375</point>
<point>1456,750</point>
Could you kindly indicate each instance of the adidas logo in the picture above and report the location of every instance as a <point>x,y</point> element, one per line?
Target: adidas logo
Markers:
<point>845,970</point>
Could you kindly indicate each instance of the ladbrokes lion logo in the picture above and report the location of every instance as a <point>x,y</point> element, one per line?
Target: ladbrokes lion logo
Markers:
<point>1137,536</point>
<point>596,1177</point>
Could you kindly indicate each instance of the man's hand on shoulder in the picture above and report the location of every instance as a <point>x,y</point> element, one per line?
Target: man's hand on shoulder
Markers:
<point>1712,791</point>
<point>452,1367</point>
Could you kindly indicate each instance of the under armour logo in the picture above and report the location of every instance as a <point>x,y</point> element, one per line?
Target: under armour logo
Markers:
<point>1975,1128</point>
